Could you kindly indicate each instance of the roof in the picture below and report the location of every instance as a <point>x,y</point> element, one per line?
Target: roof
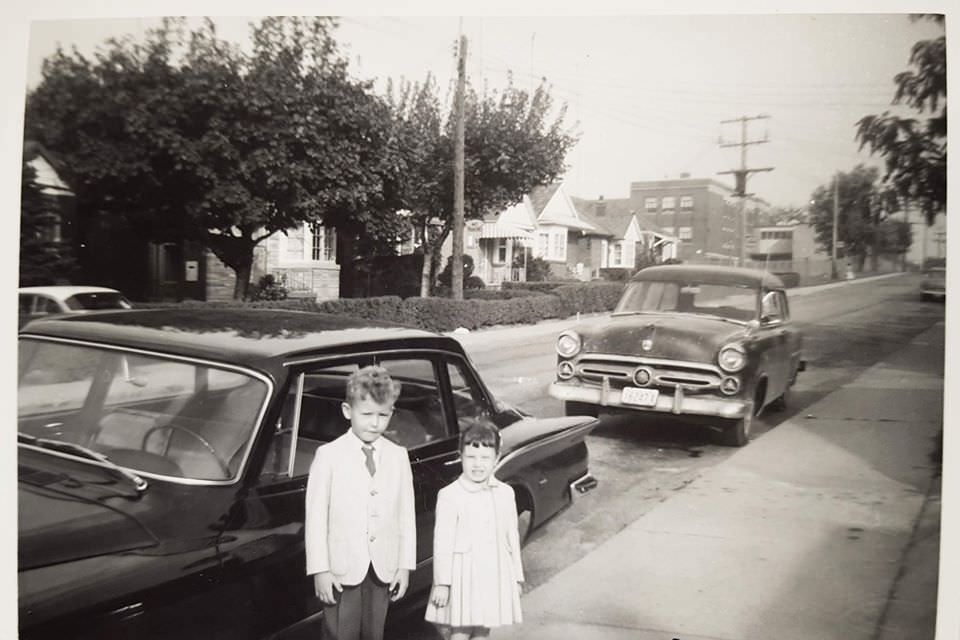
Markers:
<point>253,337</point>
<point>709,274</point>
<point>540,196</point>
<point>616,216</point>
<point>62,292</point>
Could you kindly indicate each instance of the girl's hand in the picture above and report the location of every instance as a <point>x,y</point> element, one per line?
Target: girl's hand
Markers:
<point>440,595</point>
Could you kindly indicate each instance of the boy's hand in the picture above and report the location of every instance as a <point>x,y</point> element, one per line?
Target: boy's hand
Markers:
<point>440,595</point>
<point>324,584</point>
<point>398,586</point>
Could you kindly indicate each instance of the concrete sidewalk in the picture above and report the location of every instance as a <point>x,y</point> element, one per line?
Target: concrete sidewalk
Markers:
<point>819,529</point>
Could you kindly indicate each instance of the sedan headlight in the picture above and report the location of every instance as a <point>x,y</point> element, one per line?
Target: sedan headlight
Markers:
<point>732,358</point>
<point>568,344</point>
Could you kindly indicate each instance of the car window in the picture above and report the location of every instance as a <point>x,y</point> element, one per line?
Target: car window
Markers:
<point>95,300</point>
<point>418,418</point>
<point>734,302</point>
<point>46,305</point>
<point>469,402</point>
<point>773,307</point>
<point>148,413</point>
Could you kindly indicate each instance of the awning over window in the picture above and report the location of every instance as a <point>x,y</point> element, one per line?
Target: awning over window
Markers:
<point>499,230</point>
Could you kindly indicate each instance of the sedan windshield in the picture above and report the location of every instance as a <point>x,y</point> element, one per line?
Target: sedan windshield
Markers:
<point>147,413</point>
<point>732,302</point>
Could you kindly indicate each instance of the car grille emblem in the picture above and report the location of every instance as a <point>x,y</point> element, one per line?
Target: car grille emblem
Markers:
<point>646,344</point>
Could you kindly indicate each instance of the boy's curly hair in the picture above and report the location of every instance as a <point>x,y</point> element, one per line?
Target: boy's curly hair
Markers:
<point>373,381</point>
<point>480,433</point>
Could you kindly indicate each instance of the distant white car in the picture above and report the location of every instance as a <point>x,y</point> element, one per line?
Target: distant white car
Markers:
<point>41,301</point>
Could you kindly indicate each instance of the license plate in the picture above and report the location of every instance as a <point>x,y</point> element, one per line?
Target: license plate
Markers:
<point>639,397</point>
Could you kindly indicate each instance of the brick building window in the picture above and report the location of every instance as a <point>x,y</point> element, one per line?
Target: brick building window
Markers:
<point>686,202</point>
<point>650,204</point>
<point>669,203</point>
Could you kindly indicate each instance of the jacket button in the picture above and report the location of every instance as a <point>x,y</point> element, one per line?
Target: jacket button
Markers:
<point>373,492</point>
<point>372,538</point>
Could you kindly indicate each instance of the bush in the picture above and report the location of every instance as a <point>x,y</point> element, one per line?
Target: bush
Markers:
<point>385,308</point>
<point>538,287</point>
<point>267,288</point>
<point>616,274</point>
<point>589,297</point>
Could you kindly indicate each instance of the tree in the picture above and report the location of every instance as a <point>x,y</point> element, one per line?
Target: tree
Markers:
<point>915,151</point>
<point>188,136</point>
<point>43,258</point>
<point>863,208</point>
<point>513,143</point>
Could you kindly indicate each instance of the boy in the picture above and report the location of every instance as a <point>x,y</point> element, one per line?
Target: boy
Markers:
<point>360,525</point>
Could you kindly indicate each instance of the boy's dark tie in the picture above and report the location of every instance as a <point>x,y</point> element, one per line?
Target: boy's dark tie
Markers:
<point>371,465</point>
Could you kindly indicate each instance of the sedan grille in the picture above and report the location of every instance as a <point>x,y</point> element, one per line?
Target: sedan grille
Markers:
<point>664,373</point>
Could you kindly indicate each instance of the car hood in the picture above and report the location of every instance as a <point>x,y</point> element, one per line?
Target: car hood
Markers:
<point>673,337</point>
<point>75,511</point>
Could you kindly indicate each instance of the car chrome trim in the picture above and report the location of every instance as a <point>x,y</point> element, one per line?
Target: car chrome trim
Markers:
<point>666,403</point>
<point>644,360</point>
<point>354,354</point>
<point>295,435</point>
<point>254,433</point>
<point>582,485</point>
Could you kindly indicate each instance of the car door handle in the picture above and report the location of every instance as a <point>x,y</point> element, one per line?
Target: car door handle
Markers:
<point>450,463</point>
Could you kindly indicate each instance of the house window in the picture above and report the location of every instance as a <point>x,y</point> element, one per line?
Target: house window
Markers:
<point>686,202</point>
<point>616,259</point>
<point>323,243</point>
<point>685,234</point>
<point>558,245</point>
<point>650,204</point>
<point>543,244</point>
<point>500,256</point>
<point>669,203</point>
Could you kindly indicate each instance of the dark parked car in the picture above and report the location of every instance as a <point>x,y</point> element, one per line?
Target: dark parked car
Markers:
<point>713,342</point>
<point>163,459</point>
<point>934,285</point>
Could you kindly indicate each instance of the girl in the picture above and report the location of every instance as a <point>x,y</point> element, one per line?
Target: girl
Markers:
<point>476,547</point>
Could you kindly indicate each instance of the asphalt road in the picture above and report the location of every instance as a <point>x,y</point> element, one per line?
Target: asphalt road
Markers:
<point>640,463</point>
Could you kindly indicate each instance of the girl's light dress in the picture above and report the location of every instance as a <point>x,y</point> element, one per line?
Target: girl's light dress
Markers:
<point>477,553</point>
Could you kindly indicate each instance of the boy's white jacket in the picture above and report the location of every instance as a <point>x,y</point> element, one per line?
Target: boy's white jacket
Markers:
<point>353,520</point>
<point>454,530</point>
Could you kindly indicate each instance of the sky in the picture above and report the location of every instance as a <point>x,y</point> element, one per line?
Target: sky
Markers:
<point>645,94</point>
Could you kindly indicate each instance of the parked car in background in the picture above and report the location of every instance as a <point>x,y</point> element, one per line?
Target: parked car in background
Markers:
<point>36,302</point>
<point>714,343</point>
<point>934,285</point>
<point>163,459</point>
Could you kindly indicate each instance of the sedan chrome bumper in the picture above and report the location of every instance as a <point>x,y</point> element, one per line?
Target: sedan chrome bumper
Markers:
<point>582,485</point>
<point>678,404</point>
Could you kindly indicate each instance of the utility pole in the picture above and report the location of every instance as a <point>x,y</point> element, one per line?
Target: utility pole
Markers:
<point>456,273</point>
<point>741,174</point>
<point>836,216</point>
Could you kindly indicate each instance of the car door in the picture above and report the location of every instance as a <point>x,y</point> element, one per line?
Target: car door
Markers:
<point>776,331</point>
<point>270,517</point>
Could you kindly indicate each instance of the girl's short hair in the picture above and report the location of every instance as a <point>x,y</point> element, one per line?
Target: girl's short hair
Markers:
<point>480,433</point>
<point>373,381</point>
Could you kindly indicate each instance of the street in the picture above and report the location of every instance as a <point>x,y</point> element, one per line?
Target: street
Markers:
<point>640,464</point>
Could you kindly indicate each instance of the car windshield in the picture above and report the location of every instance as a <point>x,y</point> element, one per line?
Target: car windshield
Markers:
<point>95,300</point>
<point>733,302</point>
<point>150,414</point>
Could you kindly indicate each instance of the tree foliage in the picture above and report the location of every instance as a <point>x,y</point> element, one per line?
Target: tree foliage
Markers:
<point>864,208</point>
<point>44,259</point>
<point>514,141</point>
<point>189,136</point>
<point>915,149</point>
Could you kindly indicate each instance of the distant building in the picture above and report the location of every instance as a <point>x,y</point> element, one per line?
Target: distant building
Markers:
<point>701,212</point>
<point>783,242</point>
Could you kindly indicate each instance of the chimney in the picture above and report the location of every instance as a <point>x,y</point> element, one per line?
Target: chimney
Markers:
<point>601,208</point>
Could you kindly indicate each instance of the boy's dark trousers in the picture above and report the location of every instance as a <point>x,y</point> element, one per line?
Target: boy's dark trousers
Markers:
<point>359,612</point>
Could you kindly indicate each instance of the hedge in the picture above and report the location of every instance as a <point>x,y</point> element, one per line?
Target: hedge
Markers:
<point>444,314</point>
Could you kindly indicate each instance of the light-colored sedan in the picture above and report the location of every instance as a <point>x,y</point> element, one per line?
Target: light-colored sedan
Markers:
<point>36,302</point>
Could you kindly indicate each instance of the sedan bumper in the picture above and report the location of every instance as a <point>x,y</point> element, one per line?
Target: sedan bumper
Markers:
<point>677,404</point>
